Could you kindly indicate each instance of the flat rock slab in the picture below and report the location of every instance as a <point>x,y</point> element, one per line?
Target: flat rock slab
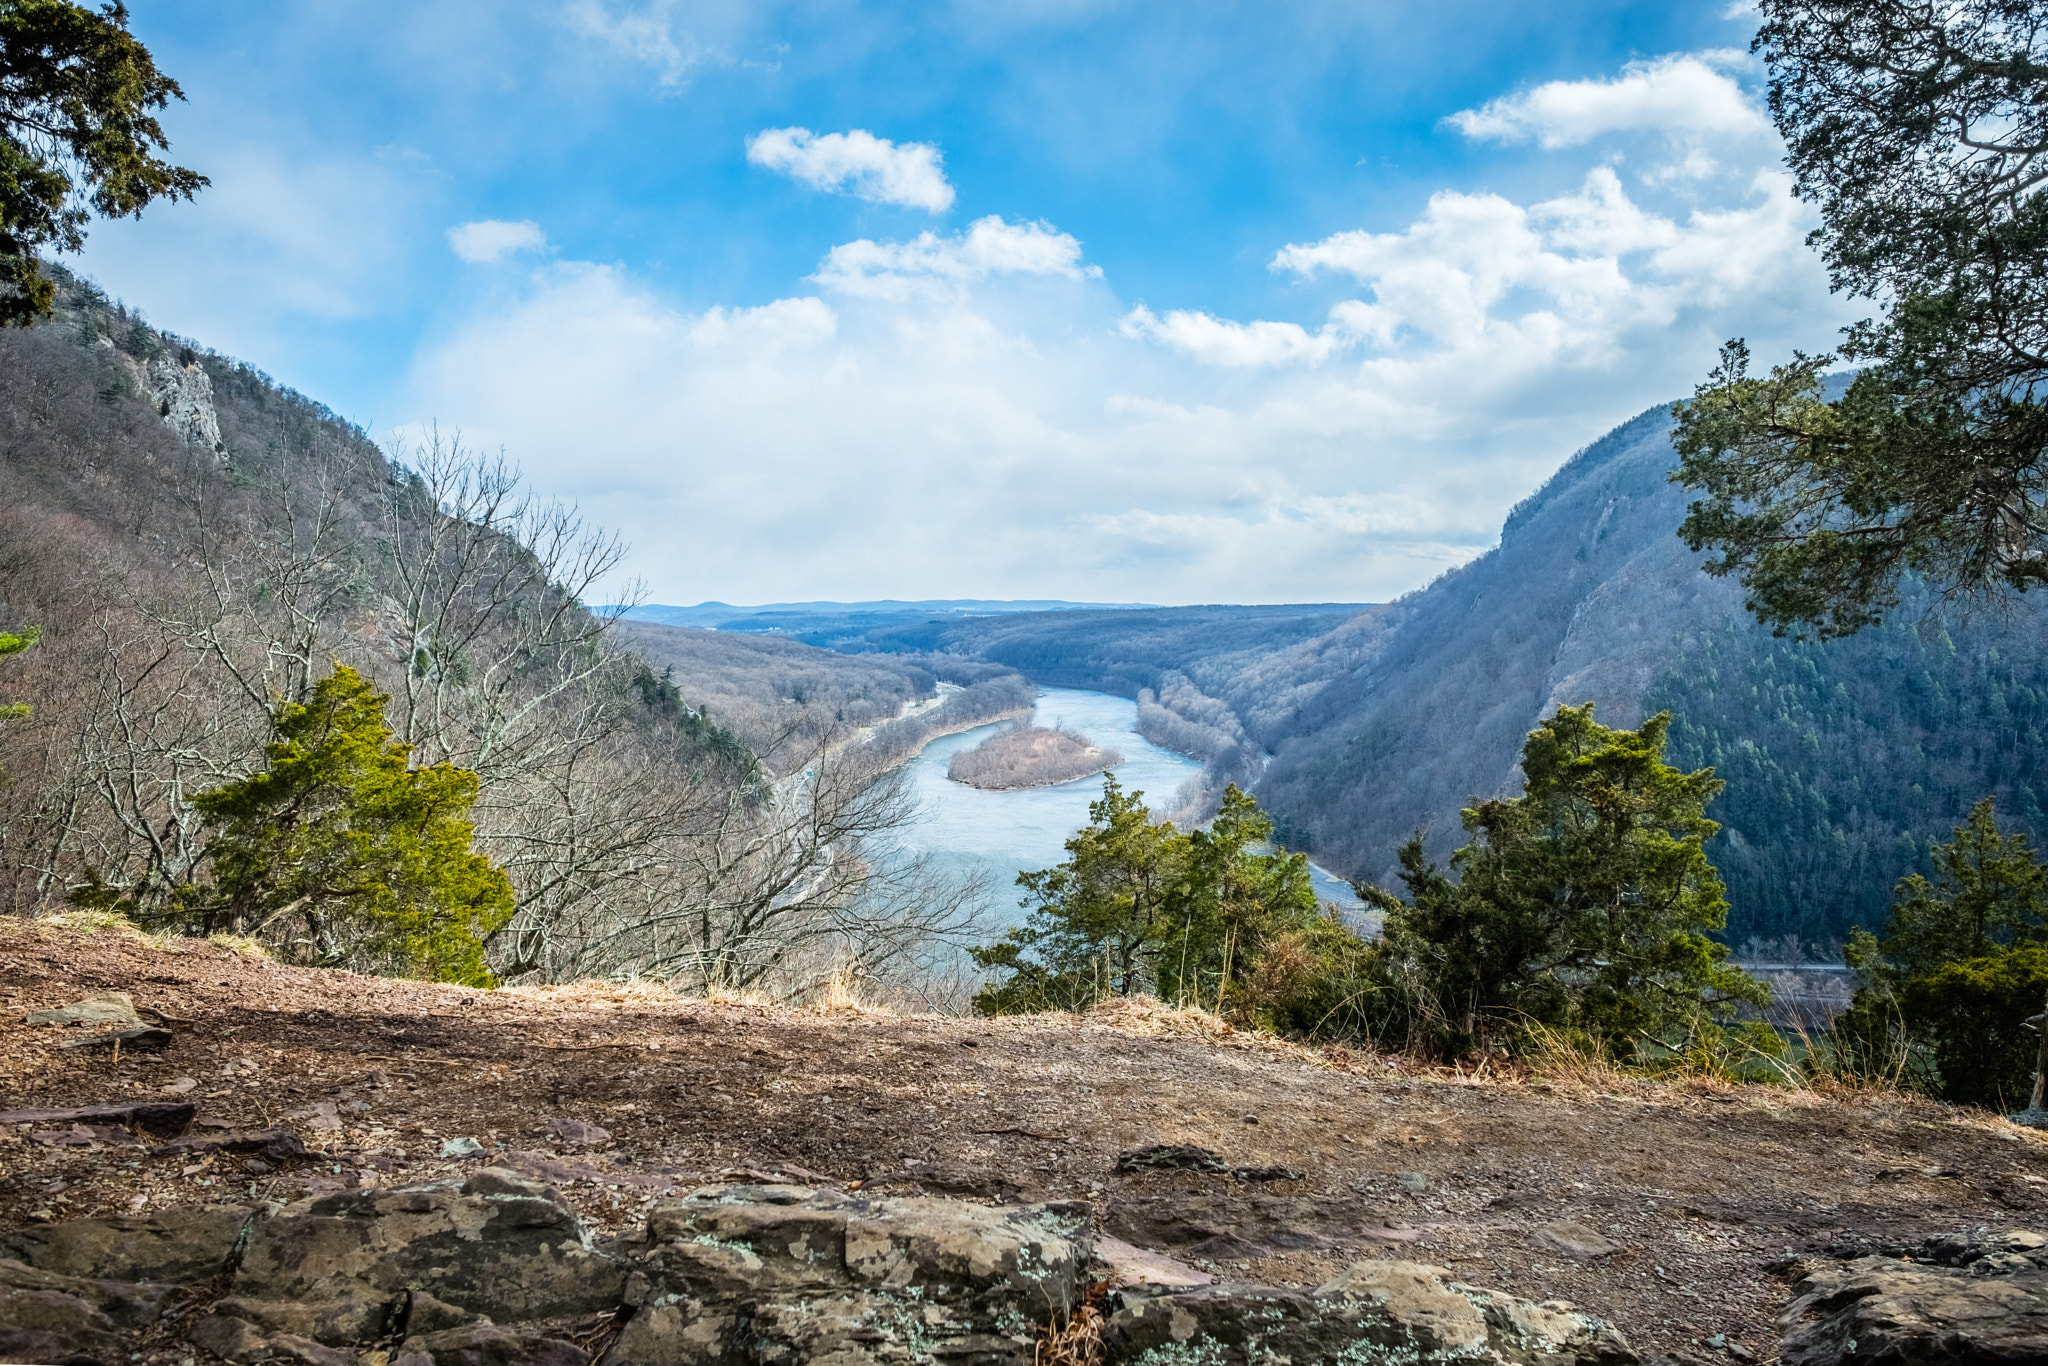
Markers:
<point>1576,1240</point>
<point>1880,1309</point>
<point>1132,1267</point>
<point>276,1145</point>
<point>158,1119</point>
<point>175,1245</point>
<point>105,1008</point>
<point>1405,1312</point>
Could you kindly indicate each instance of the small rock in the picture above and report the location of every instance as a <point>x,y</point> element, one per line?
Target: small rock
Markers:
<point>1133,1266</point>
<point>108,1007</point>
<point>256,1166</point>
<point>460,1147</point>
<point>182,1085</point>
<point>275,1145</point>
<point>1576,1240</point>
<point>1415,1183</point>
<point>577,1132</point>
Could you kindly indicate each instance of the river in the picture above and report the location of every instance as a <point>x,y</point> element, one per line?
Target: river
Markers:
<point>1004,833</point>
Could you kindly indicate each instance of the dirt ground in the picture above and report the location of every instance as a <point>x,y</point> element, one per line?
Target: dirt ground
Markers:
<point>1704,1186</point>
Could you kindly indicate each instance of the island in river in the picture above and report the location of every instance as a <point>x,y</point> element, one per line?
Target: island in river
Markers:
<point>1025,755</point>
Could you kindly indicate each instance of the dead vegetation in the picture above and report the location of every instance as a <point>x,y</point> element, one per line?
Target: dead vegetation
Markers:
<point>619,1093</point>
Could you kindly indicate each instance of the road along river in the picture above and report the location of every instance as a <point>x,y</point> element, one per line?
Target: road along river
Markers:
<point>1005,833</point>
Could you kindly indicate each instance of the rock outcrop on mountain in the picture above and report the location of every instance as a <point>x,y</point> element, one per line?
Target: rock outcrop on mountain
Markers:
<point>183,395</point>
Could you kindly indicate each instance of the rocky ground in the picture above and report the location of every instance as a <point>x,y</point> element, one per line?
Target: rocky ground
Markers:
<point>1670,1210</point>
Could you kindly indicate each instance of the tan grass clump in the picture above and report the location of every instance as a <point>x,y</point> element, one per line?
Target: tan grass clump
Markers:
<point>1078,1341</point>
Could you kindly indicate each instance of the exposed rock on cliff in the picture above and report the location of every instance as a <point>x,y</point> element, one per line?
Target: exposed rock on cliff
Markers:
<point>183,395</point>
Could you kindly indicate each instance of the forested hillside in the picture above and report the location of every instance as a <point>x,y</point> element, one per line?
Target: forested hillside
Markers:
<point>198,559</point>
<point>1358,726</point>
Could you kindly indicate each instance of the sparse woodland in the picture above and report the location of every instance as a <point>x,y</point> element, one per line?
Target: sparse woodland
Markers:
<point>184,595</point>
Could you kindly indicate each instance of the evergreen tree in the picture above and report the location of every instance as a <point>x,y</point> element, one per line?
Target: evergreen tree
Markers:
<point>77,93</point>
<point>372,856</point>
<point>1202,919</point>
<point>1585,903</point>
<point>1963,960</point>
<point>1917,129</point>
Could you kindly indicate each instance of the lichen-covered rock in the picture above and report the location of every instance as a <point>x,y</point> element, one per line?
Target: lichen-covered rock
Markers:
<point>790,1274</point>
<point>1880,1309</point>
<point>495,1245</point>
<point>175,1245</point>
<point>1393,1311</point>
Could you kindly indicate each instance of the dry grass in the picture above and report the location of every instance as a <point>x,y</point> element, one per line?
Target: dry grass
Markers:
<point>1078,1341</point>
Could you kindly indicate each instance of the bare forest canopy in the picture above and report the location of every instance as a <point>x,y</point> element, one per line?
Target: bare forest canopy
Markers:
<point>1025,755</point>
<point>200,547</point>
<point>1357,727</point>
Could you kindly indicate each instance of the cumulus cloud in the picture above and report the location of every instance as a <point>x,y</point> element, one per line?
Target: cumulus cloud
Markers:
<point>978,414</point>
<point>493,239</point>
<point>1686,94</point>
<point>856,163</point>
<point>1591,270</point>
<point>930,264</point>
<point>1218,341</point>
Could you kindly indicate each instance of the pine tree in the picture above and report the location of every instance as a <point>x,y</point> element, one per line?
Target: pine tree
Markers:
<point>1585,903</point>
<point>374,858</point>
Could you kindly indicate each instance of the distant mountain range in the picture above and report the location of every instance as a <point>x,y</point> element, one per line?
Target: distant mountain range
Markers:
<point>793,618</point>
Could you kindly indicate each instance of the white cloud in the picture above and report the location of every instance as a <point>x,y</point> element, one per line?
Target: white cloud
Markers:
<point>856,163</point>
<point>646,34</point>
<point>1683,94</point>
<point>493,239</point>
<point>978,414</point>
<point>1217,341</point>
<point>1581,278</point>
<point>930,264</point>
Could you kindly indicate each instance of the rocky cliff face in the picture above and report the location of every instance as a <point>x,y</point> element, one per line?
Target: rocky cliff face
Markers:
<point>183,397</point>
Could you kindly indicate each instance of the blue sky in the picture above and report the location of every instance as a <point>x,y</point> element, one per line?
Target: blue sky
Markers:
<point>1114,301</point>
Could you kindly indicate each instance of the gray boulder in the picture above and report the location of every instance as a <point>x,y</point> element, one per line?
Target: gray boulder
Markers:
<point>174,1245</point>
<point>337,1269</point>
<point>1393,1311</point>
<point>791,1274</point>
